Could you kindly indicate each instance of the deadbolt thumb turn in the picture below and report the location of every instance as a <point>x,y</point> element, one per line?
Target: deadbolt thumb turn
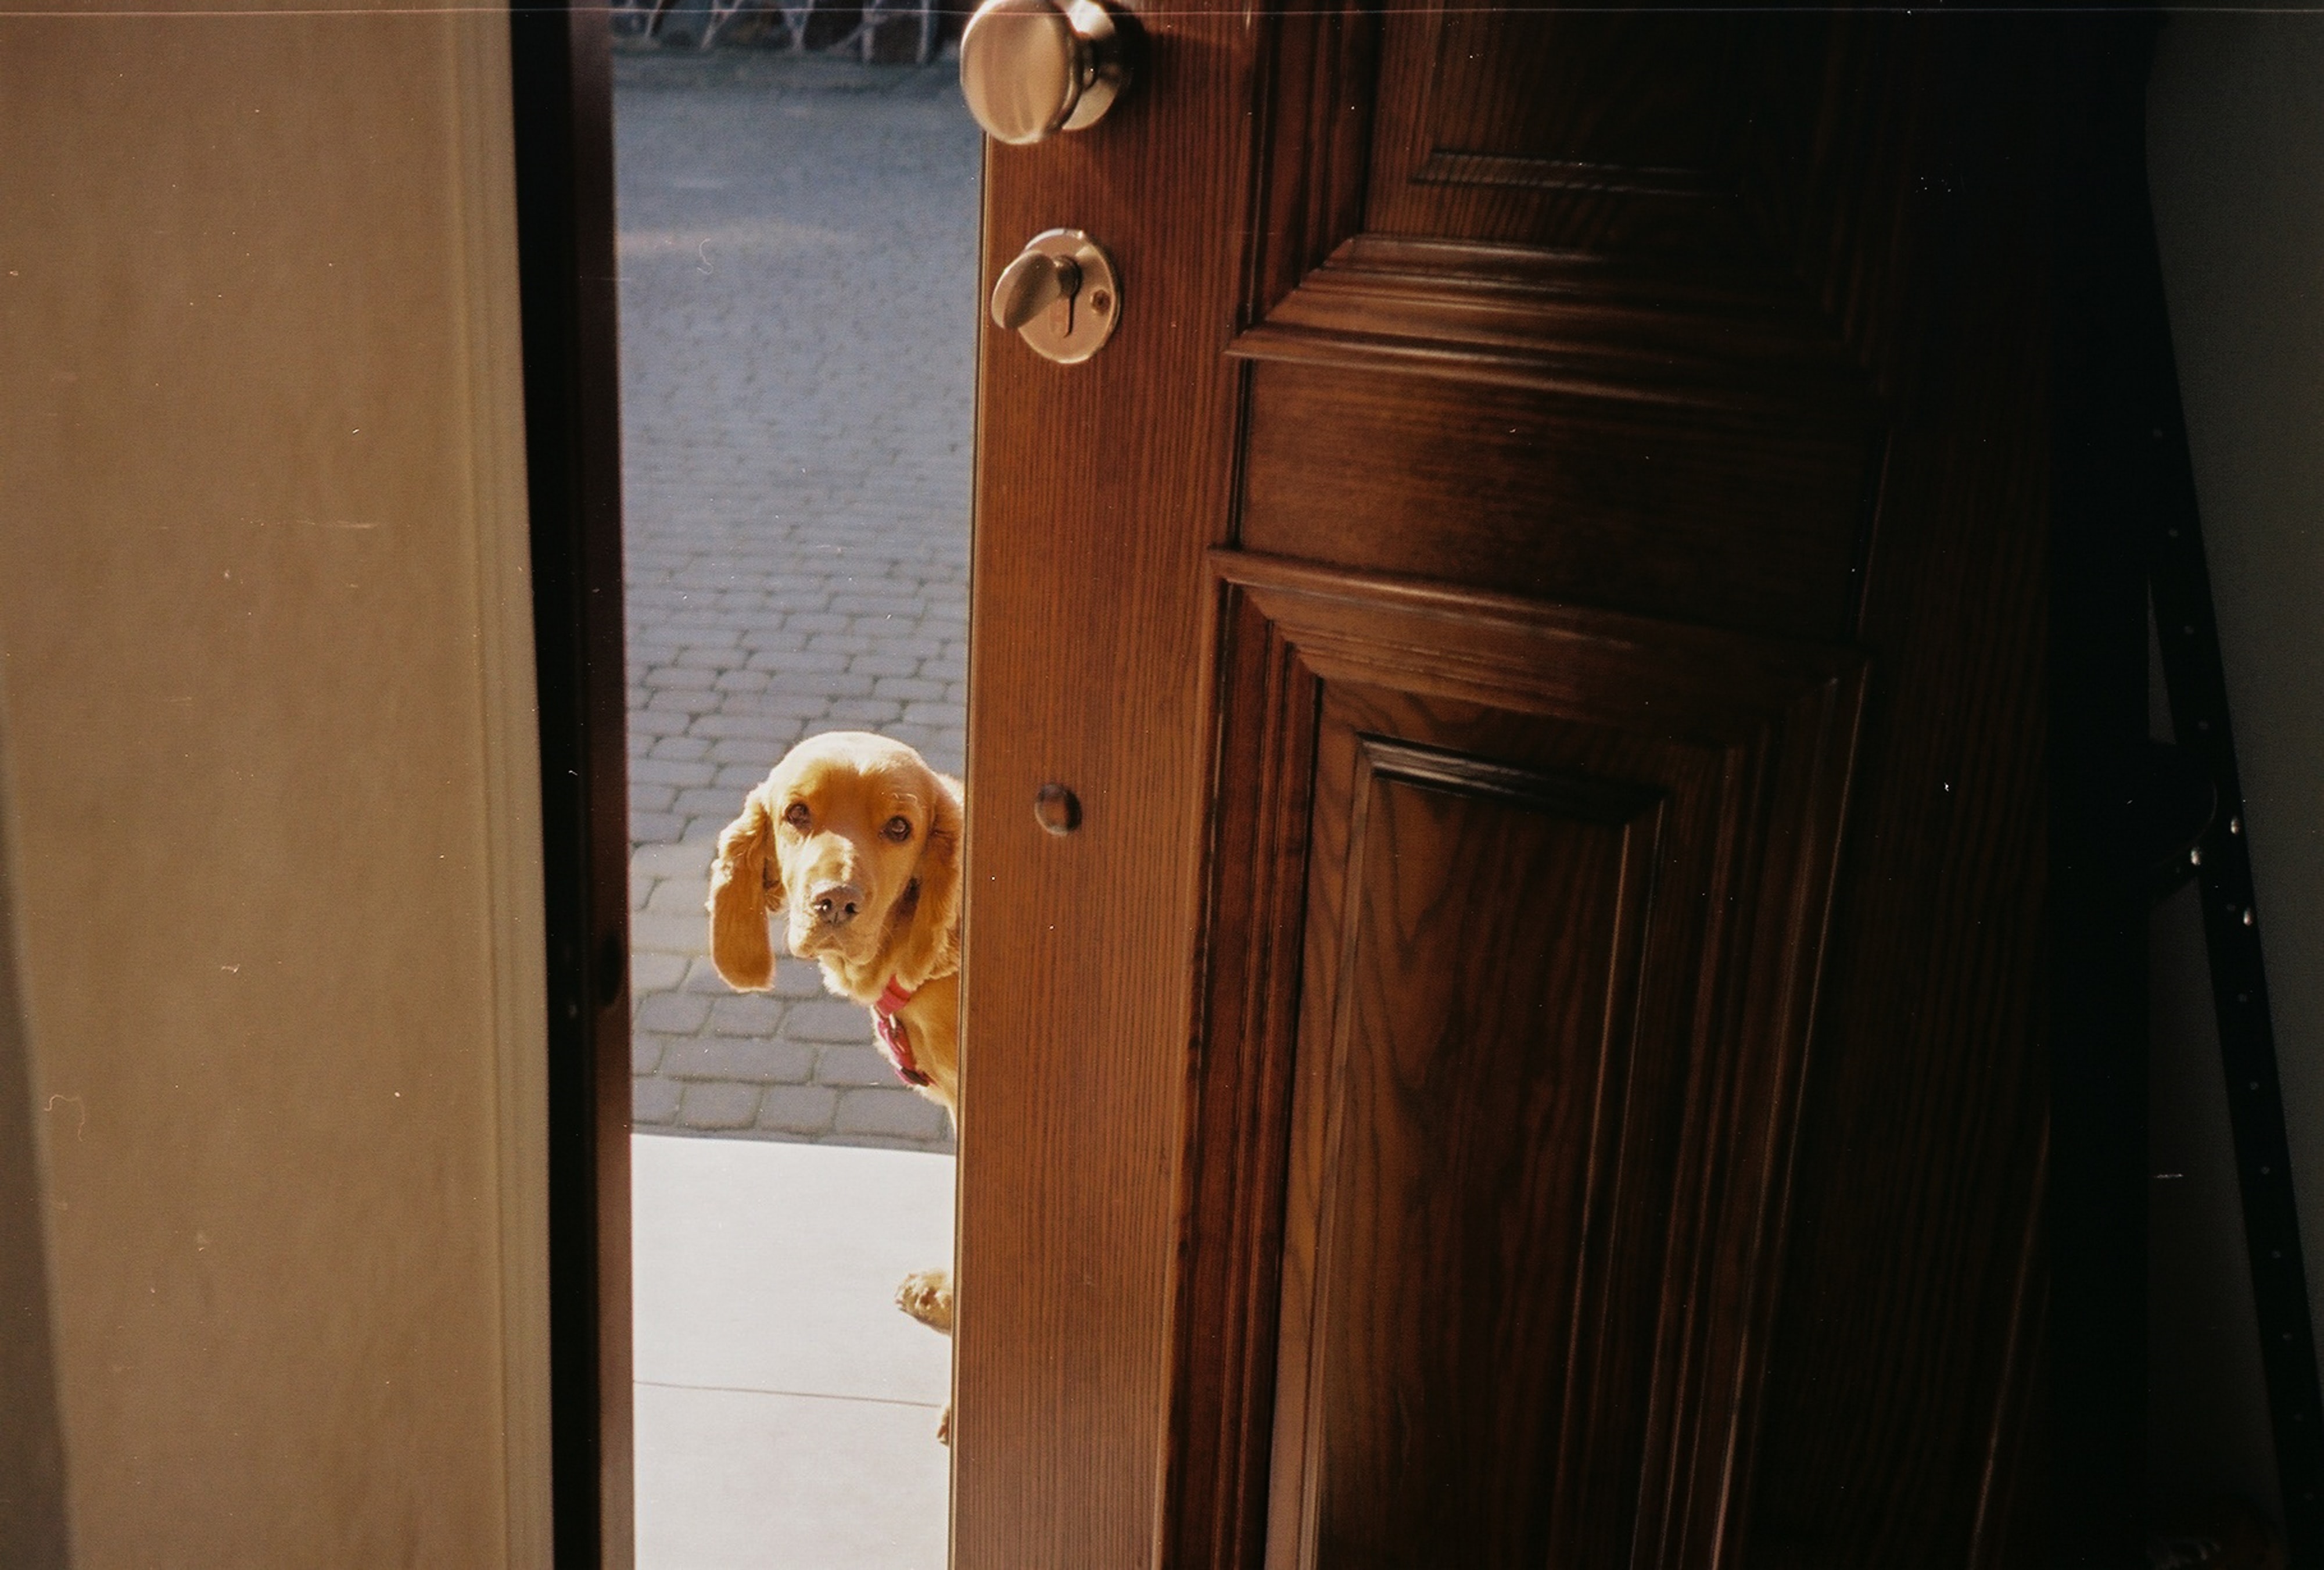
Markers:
<point>1030,68</point>
<point>1060,295</point>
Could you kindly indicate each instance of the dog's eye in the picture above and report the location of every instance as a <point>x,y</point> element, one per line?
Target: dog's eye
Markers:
<point>796,815</point>
<point>899,828</point>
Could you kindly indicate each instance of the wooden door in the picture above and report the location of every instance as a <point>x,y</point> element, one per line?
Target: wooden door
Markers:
<point>1530,1057</point>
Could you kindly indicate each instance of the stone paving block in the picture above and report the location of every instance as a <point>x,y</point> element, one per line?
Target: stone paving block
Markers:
<point>669,771</point>
<point>898,1113</point>
<point>822,684</point>
<point>673,860</point>
<point>669,932</point>
<point>908,687</point>
<point>801,978</point>
<point>710,799</point>
<point>653,1101</point>
<point>854,1066</point>
<point>719,1058</point>
<point>877,605</point>
<point>677,1013</point>
<point>797,1109</point>
<point>828,1020</point>
<point>719,1105</point>
<point>746,752</point>
<point>703,980</point>
<point>646,1051</point>
<point>745,1014</point>
<point>802,663</point>
<point>754,727</point>
<point>674,896</point>
<point>775,703</point>
<point>656,972</point>
<point>647,827</point>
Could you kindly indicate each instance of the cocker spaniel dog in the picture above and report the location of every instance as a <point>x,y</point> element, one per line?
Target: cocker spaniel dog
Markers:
<point>852,843</point>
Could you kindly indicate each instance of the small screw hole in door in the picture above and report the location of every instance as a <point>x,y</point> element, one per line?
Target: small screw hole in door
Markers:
<point>1058,809</point>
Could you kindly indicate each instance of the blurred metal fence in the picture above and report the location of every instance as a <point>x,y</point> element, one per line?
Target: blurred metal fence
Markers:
<point>876,32</point>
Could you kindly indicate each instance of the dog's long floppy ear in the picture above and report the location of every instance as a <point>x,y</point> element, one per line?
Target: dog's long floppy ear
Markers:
<point>939,870</point>
<point>746,881</point>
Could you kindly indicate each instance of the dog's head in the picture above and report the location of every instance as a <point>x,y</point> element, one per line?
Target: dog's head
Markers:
<point>854,843</point>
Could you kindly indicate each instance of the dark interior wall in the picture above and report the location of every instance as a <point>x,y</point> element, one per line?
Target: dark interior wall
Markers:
<point>2236,163</point>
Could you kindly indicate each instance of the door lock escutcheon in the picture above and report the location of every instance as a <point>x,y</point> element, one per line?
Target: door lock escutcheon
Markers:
<point>1030,68</point>
<point>1060,295</point>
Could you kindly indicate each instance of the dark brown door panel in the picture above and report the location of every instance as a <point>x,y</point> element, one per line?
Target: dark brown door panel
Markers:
<point>1534,1034</point>
<point>1676,512</point>
<point>1531,1055</point>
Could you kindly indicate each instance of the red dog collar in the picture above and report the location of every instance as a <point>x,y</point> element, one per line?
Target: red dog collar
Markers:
<point>894,1039</point>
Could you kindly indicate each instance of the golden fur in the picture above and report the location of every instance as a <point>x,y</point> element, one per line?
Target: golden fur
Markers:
<point>864,824</point>
<point>819,821</point>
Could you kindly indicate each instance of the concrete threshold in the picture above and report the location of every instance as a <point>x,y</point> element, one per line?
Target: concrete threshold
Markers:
<point>786,1409</point>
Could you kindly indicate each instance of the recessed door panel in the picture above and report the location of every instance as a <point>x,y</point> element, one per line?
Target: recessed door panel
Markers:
<point>1748,524</point>
<point>1473,1035</point>
<point>1636,130</point>
<point>1562,881</point>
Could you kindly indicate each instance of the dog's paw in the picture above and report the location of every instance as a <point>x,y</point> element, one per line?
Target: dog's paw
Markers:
<point>944,1426</point>
<point>926,1297</point>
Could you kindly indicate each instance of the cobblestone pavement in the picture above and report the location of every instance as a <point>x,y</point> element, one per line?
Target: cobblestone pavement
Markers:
<point>797,241</point>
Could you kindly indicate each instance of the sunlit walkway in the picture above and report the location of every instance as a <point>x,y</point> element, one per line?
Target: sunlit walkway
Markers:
<point>786,1409</point>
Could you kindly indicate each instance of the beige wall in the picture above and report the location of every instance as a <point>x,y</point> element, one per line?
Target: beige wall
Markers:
<point>270,786</point>
<point>2236,148</point>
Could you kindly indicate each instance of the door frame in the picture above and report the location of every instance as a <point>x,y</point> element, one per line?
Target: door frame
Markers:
<point>561,85</point>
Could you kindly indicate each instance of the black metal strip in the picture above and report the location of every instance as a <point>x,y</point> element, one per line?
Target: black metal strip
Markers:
<point>2102,407</point>
<point>563,101</point>
<point>2196,678</point>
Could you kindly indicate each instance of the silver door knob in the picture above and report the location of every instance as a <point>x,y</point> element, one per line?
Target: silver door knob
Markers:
<point>1059,294</point>
<point>1030,68</point>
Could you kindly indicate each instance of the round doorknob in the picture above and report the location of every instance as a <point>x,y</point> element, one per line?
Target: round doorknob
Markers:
<point>1030,68</point>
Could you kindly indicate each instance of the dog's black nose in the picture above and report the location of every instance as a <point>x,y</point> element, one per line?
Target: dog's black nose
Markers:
<point>837,903</point>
